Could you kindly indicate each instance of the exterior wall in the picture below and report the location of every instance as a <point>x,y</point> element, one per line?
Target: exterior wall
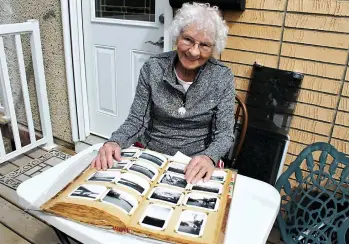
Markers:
<point>48,13</point>
<point>311,37</point>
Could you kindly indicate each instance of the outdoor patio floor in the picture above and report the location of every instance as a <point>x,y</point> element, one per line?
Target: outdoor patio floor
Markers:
<point>20,227</point>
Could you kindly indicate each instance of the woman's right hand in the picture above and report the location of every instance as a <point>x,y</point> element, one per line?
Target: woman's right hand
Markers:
<point>106,154</point>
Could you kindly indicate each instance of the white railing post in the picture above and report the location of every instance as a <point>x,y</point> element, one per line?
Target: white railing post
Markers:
<point>8,94</point>
<point>2,109</point>
<point>38,65</point>
<point>25,91</point>
<point>30,27</point>
<point>2,147</point>
<point>3,106</point>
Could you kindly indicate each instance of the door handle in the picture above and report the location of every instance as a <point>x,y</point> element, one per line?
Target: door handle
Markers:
<point>162,18</point>
<point>159,43</point>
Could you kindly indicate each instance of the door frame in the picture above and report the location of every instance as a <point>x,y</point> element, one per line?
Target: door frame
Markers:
<point>76,76</point>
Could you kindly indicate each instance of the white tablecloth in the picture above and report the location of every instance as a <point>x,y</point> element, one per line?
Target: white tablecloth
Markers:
<point>252,214</point>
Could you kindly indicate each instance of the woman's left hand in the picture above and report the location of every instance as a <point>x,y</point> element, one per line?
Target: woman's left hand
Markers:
<point>198,167</point>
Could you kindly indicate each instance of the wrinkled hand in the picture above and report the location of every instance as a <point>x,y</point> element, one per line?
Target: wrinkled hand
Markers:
<point>198,167</point>
<point>105,156</point>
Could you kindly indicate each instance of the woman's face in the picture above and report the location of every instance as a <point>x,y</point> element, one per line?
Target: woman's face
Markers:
<point>194,48</point>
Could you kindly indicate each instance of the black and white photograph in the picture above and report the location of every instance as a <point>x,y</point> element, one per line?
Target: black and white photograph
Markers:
<point>210,186</point>
<point>154,158</point>
<point>89,192</point>
<point>129,153</point>
<point>120,165</point>
<point>191,223</point>
<point>121,200</point>
<point>156,216</point>
<point>205,201</point>
<point>145,169</point>
<point>176,168</point>
<point>167,195</point>
<point>173,180</point>
<point>134,182</point>
<point>219,175</point>
<point>105,176</point>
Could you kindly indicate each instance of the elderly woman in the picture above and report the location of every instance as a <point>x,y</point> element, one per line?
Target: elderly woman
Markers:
<point>184,99</point>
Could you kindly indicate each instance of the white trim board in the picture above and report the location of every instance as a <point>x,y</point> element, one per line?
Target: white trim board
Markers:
<point>69,69</point>
<point>79,68</point>
<point>75,68</point>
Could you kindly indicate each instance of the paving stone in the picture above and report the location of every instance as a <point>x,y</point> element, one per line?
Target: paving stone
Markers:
<point>22,177</point>
<point>21,160</point>
<point>8,236</point>
<point>35,153</point>
<point>53,161</point>
<point>33,170</point>
<point>26,225</point>
<point>7,167</point>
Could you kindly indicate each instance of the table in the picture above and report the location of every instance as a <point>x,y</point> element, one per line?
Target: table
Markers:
<point>254,208</point>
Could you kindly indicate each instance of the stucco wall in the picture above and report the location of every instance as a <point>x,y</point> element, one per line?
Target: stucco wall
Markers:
<point>48,13</point>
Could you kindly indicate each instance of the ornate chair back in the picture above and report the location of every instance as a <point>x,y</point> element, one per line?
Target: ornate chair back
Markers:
<point>315,197</point>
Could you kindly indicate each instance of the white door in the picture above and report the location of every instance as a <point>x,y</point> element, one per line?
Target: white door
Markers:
<point>119,36</point>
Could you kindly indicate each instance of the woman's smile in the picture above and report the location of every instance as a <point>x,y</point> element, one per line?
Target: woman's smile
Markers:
<point>191,58</point>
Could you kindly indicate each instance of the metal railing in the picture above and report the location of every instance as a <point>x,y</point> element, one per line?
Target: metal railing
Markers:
<point>31,28</point>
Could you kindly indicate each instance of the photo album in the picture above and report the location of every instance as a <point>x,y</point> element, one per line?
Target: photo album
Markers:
<point>146,194</point>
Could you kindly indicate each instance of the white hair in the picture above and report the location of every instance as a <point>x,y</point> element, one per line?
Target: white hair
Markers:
<point>205,18</point>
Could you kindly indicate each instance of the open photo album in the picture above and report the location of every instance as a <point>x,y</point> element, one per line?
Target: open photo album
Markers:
<point>146,194</point>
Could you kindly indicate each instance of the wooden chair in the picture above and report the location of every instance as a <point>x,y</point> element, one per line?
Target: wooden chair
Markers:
<point>240,128</point>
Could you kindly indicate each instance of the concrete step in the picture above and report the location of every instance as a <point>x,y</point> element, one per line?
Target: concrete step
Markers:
<point>90,140</point>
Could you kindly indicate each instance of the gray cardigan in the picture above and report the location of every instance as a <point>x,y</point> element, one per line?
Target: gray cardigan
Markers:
<point>207,126</point>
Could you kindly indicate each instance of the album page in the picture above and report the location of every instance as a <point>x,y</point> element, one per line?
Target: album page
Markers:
<point>109,198</point>
<point>147,194</point>
<point>180,212</point>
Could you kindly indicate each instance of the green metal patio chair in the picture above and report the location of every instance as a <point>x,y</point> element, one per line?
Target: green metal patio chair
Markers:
<point>315,203</point>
